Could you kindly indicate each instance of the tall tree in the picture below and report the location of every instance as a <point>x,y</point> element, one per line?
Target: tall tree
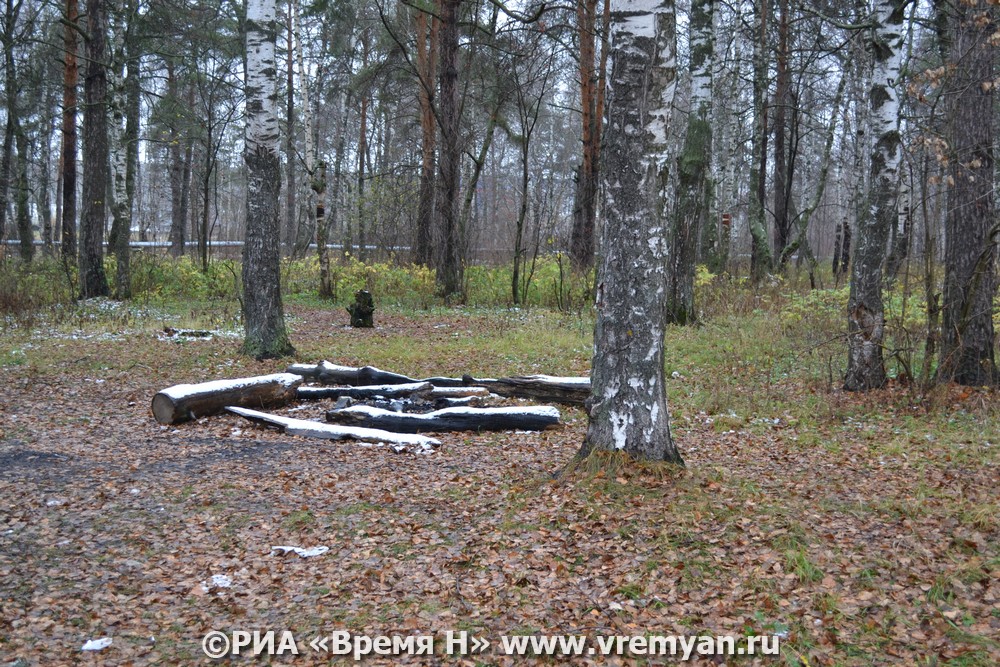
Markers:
<point>970,280</point>
<point>263,314</point>
<point>71,75</point>
<point>592,84</point>
<point>866,316</point>
<point>628,405</point>
<point>12,11</point>
<point>782,111</point>
<point>93,281</point>
<point>450,265</point>
<point>123,133</point>
<point>760,250</point>
<point>694,183</point>
<point>427,29</point>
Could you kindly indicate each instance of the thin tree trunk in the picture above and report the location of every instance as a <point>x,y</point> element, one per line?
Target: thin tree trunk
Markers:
<point>760,249</point>
<point>427,53</point>
<point>93,281</point>
<point>783,99</point>
<point>69,135</point>
<point>25,234</point>
<point>121,205</point>
<point>450,266</point>
<point>290,235</point>
<point>628,405</point>
<point>694,181</point>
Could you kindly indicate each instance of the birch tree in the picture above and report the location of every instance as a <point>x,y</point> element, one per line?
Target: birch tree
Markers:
<point>628,405</point>
<point>970,281</point>
<point>866,316</point>
<point>693,166</point>
<point>263,315</point>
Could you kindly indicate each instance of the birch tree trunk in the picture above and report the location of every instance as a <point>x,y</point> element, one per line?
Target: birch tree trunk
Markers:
<point>93,281</point>
<point>695,185</point>
<point>121,204</point>
<point>866,317</point>
<point>628,405</point>
<point>263,314</point>
<point>970,280</point>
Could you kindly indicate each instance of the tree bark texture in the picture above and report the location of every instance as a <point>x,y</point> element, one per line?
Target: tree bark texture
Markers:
<point>628,406</point>
<point>970,280</point>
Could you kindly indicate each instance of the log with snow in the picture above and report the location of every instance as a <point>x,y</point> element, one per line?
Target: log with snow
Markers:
<point>184,402</point>
<point>366,391</point>
<point>449,419</point>
<point>311,429</point>
<point>571,390</point>
<point>546,388</point>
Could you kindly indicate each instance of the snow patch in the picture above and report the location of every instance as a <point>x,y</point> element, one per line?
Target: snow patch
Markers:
<point>96,644</point>
<point>300,551</point>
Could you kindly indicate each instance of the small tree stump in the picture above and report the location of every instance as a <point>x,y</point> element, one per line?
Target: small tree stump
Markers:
<point>362,309</point>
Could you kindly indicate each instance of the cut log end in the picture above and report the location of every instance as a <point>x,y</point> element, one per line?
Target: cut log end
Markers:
<point>184,402</point>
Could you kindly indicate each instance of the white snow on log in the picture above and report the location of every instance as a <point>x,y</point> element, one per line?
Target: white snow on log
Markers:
<point>313,429</point>
<point>300,551</point>
<point>181,391</point>
<point>582,382</point>
<point>96,644</point>
<point>408,387</point>
<point>538,411</point>
<point>457,392</point>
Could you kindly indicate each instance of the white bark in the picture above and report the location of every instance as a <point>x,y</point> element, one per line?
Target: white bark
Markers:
<point>262,96</point>
<point>628,408</point>
<point>866,317</point>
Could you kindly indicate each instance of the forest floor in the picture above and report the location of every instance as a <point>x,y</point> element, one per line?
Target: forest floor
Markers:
<point>859,530</point>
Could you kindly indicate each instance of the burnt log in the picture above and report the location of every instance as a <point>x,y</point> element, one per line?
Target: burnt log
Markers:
<point>449,419</point>
<point>545,388</point>
<point>184,402</point>
<point>362,310</point>
<point>367,391</point>
<point>311,429</point>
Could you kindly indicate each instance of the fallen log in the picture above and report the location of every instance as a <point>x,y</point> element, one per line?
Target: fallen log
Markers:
<point>449,419</point>
<point>328,373</point>
<point>465,401</point>
<point>311,429</point>
<point>367,391</point>
<point>545,388</point>
<point>184,402</point>
<point>453,392</point>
